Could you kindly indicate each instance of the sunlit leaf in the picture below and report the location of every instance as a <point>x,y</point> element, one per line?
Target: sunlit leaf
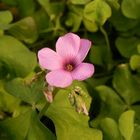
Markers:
<point>79,1</point>
<point>135,62</point>
<point>16,58</point>
<point>30,93</point>
<point>64,123</point>
<point>110,129</point>
<point>126,124</point>
<point>5,18</point>
<point>96,13</point>
<point>114,3</point>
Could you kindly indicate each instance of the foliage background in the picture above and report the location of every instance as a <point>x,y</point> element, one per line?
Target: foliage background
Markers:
<point>112,95</point>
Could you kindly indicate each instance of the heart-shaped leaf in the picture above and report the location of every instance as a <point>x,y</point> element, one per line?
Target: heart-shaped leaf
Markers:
<point>64,117</point>
<point>96,14</point>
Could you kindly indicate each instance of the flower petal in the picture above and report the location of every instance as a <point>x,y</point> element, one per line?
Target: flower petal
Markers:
<point>85,45</point>
<point>48,59</point>
<point>59,78</point>
<point>83,71</point>
<point>68,45</point>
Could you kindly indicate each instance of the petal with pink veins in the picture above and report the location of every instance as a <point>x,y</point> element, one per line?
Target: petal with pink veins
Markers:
<point>59,78</point>
<point>85,45</point>
<point>68,45</point>
<point>83,71</point>
<point>49,59</point>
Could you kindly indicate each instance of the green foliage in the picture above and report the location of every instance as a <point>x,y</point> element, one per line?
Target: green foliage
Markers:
<point>7,102</point>
<point>79,1</point>
<point>24,91</point>
<point>111,104</point>
<point>27,126</point>
<point>110,129</point>
<point>26,7</point>
<point>126,124</point>
<point>24,30</point>
<point>127,46</point>
<point>5,18</point>
<point>125,129</point>
<point>111,96</point>
<point>129,90</point>
<point>16,58</point>
<point>74,17</point>
<point>134,62</point>
<point>130,8</point>
<point>95,14</point>
<point>64,123</point>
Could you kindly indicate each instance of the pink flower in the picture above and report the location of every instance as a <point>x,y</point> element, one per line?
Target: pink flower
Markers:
<point>66,64</point>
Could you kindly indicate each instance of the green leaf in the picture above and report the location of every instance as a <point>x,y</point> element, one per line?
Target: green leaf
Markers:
<point>110,129</point>
<point>42,20</point>
<point>90,25</point>
<point>5,18</point>
<point>38,131</point>
<point>79,1</point>
<point>136,133</point>
<point>12,128</point>
<point>119,20</point>
<point>8,103</point>
<point>96,12</point>
<point>97,54</point>
<point>114,3</point>
<point>70,122</point>
<point>136,108</point>
<point>94,82</point>
<point>1,32</point>
<point>46,5</point>
<point>111,105</point>
<point>138,48</point>
<point>26,7</point>
<point>30,93</point>
<point>74,18</point>
<point>135,62</point>
<point>31,128</point>
<point>25,30</point>
<point>52,9</point>
<point>130,8</point>
<point>125,84</point>
<point>17,59</point>
<point>126,124</point>
<point>127,46</point>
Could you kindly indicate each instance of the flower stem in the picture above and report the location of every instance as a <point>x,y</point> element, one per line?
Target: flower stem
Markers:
<point>41,113</point>
<point>108,46</point>
<point>106,37</point>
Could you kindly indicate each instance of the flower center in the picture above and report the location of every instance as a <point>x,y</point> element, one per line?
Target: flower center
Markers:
<point>69,67</point>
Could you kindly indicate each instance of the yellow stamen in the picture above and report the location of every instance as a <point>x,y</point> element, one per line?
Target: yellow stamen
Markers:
<point>69,67</point>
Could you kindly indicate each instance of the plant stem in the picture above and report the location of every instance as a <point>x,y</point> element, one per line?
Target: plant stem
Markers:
<point>106,38</point>
<point>108,46</point>
<point>41,113</point>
